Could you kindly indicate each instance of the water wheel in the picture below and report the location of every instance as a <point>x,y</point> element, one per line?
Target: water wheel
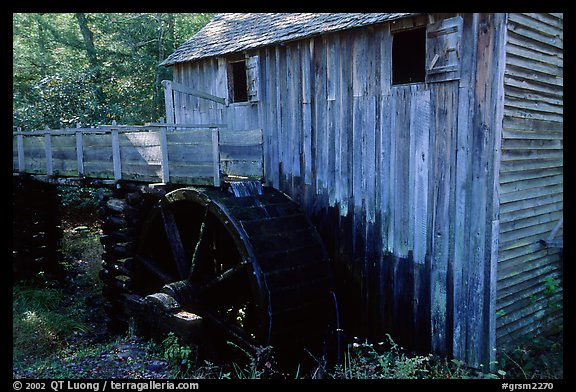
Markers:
<point>245,266</point>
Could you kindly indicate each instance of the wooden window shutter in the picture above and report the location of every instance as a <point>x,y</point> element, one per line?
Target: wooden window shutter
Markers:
<point>252,73</point>
<point>443,50</point>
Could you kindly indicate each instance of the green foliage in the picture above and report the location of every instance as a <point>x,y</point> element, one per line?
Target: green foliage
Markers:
<point>387,360</point>
<point>536,356</point>
<point>551,286</point>
<point>79,198</point>
<point>260,365</point>
<point>56,83</point>
<point>180,357</point>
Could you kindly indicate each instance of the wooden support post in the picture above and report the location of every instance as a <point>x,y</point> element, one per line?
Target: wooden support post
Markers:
<point>165,164</point>
<point>230,117</point>
<point>48,151</point>
<point>20,146</point>
<point>169,101</point>
<point>216,157</point>
<point>79,151</point>
<point>116,153</point>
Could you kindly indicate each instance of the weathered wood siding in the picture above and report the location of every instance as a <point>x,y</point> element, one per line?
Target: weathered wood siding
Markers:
<point>400,180</point>
<point>201,76</point>
<point>531,176</point>
<point>139,153</point>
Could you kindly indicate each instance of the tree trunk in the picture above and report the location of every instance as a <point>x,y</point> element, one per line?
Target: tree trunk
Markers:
<point>92,57</point>
<point>164,44</point>
<point>43,55</point>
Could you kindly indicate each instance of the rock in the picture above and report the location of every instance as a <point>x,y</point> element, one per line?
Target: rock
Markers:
<point>156,366</point>
<point>129,351</point>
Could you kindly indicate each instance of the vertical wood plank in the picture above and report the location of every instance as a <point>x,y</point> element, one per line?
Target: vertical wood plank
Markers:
<point>164,162</point>
<point>279,67</point>
<point>333,76</point>
<point>391,158</point>
<point>411,166</point>
<point>359,63</point>
<point>385,59</point>
<point>221,87</point>
<point>264,112</point>
<point>347,106</point>
<point>321,119</point>
<point>420,123</point>
<point>483,221</point>
<point>444,99</point>
<point>116,159</point>
<point>48,152</point>
<point>297,115</point>
<point>357,128</point>
<point>216,157</point>
<point>369,170</point>
<point>462,187</point>
<point>497,112</point>
<point>384,176</point>
<point>461,213</point>
<point>80,151</point>
<point>21,158</point>
<point>168,101</point>
<point>400,170</point>
<point>272,104</point>
<point>306,55</point>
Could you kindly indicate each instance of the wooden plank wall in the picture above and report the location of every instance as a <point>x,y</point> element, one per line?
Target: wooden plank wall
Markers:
<point>531,176</point>
<point>200,76</point>
<point>390,175</point>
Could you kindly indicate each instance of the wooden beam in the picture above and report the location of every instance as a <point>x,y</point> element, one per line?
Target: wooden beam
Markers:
<point>20,146</point>
<point>165,163</point>
<point>169,101</point>
<point>79,151</point>
<point>216,157</point>
<point>48,151</point>
<point>116,155</point>
<point>175,240</point>
<point>186,90</point>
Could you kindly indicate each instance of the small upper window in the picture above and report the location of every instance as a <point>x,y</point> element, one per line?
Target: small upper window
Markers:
<point>409,56</point>
<point>237,85</point>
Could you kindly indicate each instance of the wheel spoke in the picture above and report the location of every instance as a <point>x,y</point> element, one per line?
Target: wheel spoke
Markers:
<point>156,270</point>
<point>223,277</point>
<point>175,241</point>
<point>199,244</point>
<point>231,329</point>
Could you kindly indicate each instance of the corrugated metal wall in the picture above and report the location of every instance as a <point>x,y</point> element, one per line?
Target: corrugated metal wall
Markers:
<point>531,179</point>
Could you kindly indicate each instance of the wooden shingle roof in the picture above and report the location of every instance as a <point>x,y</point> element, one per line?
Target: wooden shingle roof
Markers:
<point>235,32</point>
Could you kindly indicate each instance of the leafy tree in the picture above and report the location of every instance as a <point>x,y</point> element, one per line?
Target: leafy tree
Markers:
<point>93,67</point>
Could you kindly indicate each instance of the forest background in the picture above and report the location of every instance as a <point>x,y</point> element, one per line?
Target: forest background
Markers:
<point>92,68</point>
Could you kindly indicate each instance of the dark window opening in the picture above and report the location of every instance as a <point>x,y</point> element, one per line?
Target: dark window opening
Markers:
<point>409,56</point>
<point>238,85</point>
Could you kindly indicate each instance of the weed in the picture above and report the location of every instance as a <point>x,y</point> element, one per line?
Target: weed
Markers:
<point>387,360</point>
<point>551,287</point>
<point>539,356</point>
<point>180,357</point>
<point>260,365</point>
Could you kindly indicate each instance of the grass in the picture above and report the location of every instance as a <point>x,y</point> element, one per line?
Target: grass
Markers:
<point>39,326</point>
